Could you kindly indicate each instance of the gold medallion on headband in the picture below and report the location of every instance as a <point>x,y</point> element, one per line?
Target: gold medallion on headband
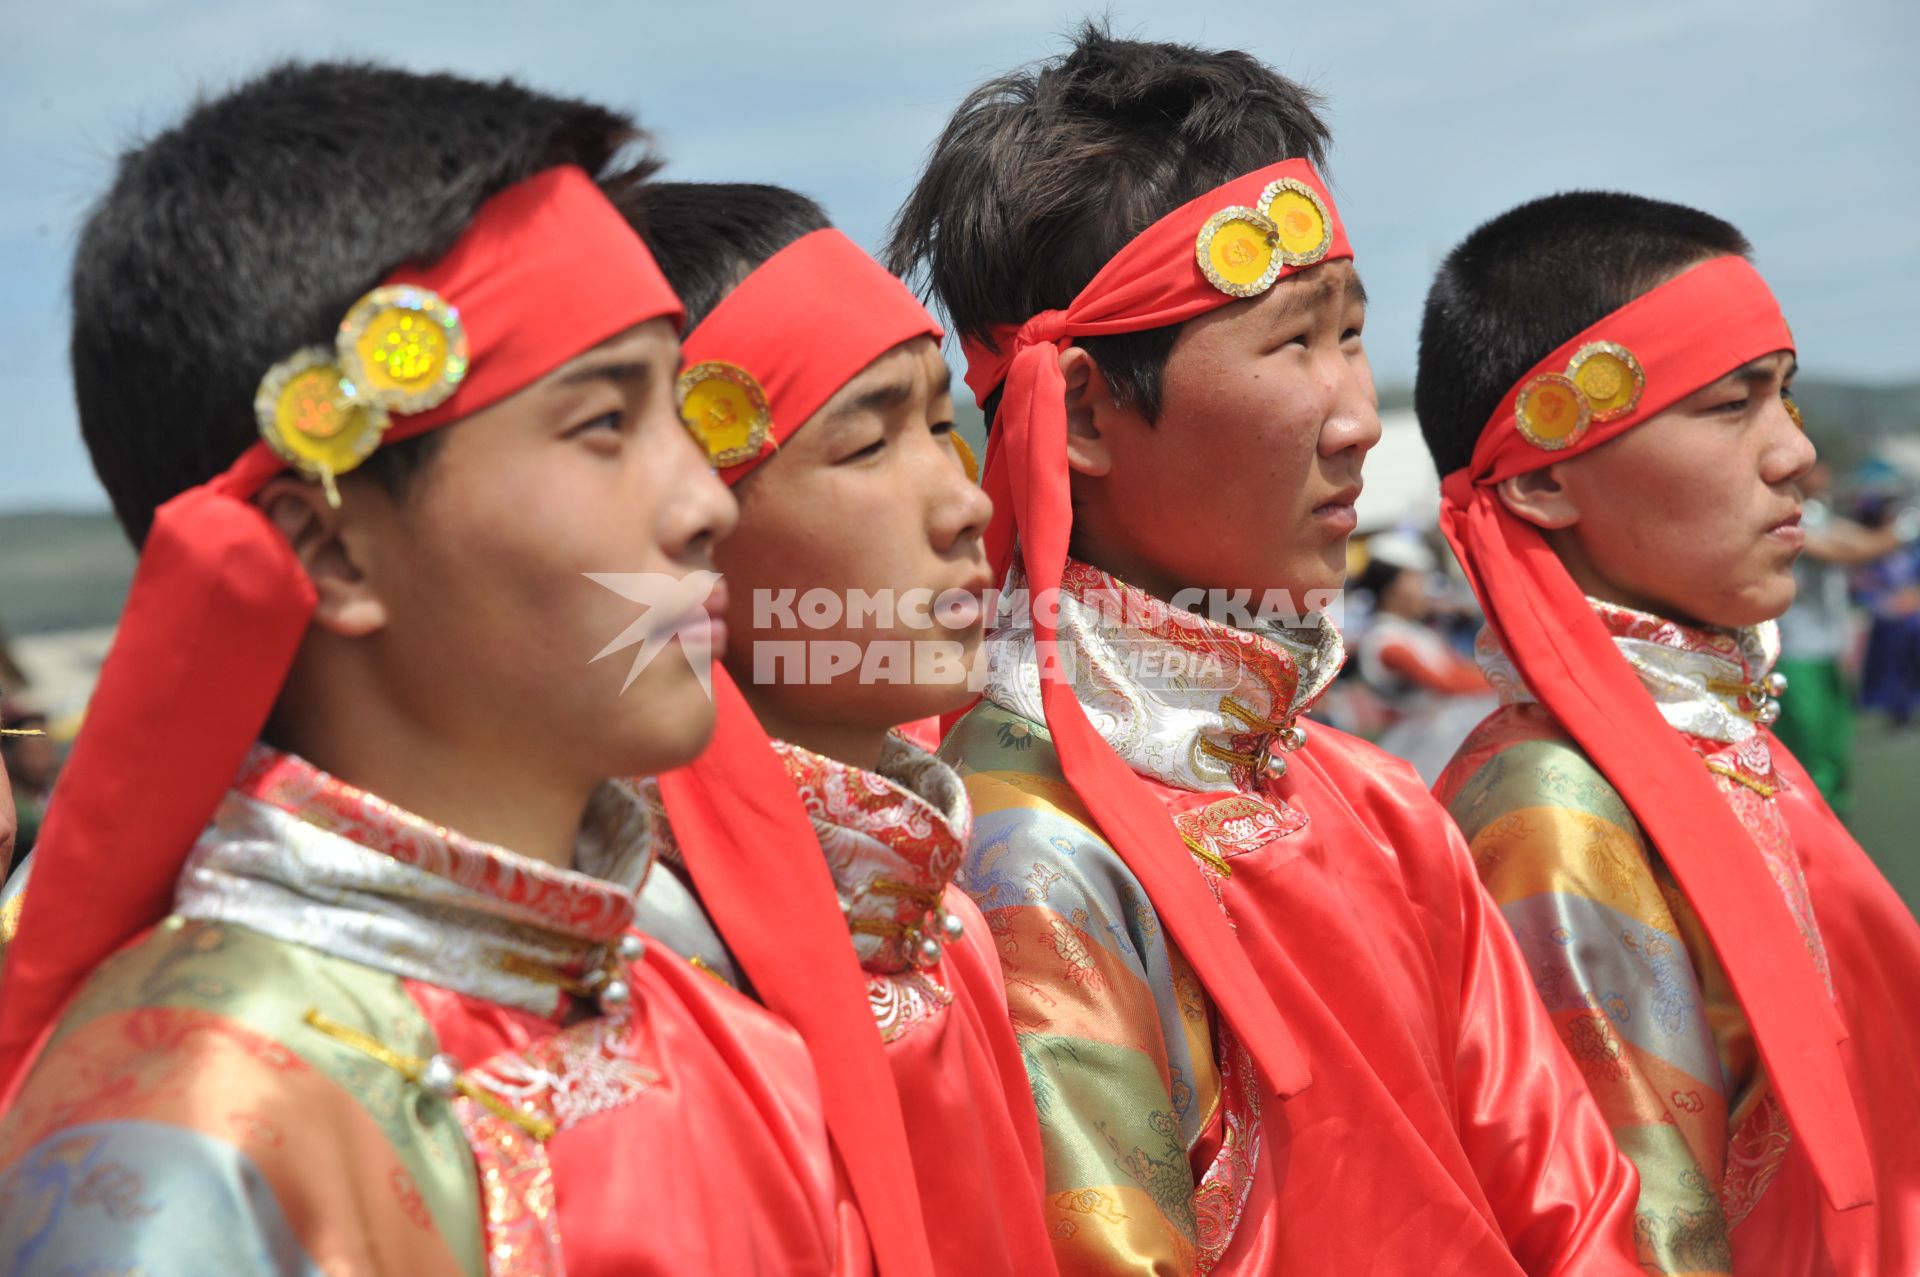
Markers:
<point>400,349</point>
<point>726,410</point>
<point>1239,251</point>
<point>316,419</point>
<point>1300,217</point>
<point>1552,412</point>
<point>964,450</point>
<point>404,346</point>
<point>1610,377</point>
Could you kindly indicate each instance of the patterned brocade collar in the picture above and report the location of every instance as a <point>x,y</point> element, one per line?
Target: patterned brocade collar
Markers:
<point>894,838</point>
<point>304,857</point>
<point>1191,702</point>
<point>1712,684</point>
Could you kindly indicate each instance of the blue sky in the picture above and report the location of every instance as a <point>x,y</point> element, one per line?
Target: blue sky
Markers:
<point>1794,120</point>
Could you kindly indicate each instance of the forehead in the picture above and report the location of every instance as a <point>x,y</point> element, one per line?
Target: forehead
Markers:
<point>914,367</point>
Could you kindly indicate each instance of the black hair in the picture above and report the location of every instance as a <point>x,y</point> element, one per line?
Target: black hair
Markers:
<point>708,236</point>
<point>1523,283</point>
<point>246,231</point>
<point>1045,173</point>
<point>1377,577</point>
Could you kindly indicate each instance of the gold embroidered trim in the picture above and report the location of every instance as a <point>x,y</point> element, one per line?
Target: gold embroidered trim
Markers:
<point>1738,777</point>
<point>515,964</point>
<point>1207,854</point>
<point>701,965</point>
<point>413,1068</point>
<point>925,897</point>
<point>1232,707</point>
<point>1226,755</point>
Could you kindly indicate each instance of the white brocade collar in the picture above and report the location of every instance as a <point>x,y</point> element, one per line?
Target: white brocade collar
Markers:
<point>894,837</point>
<point>304,857</point>
<point>1190,702</point>
<point>1710,683</point>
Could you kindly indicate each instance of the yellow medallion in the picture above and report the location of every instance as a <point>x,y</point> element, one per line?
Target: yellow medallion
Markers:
<point>1793,411</point>
<point>1552,412</point>
<point>1239,251</point>
<point>1610,377</point>
<point>964,450</point>
<point>315,419</point>
<point>404,347</point>
<point>726,410</point>
<point>1295,209</point>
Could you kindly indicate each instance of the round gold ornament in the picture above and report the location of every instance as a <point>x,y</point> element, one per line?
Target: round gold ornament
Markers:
<point>404,347</point>
<point>1239,251</point>
<point>726,410</point>
<point>1296,210</point>
<point>1551,412</point>
<point>964,450</point>
<point>1610,377</point>
<point>315,418</point>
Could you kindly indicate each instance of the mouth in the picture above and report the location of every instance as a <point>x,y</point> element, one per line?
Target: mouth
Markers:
<point>715,608</point>
<point>1338,513</point>
<point>1788,531</point>
<point>962,607</point>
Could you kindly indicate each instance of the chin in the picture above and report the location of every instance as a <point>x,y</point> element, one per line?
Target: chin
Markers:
<point>670,725</point>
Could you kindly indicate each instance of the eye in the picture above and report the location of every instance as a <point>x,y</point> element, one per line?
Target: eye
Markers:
<point>1731,408</point>
<point>1352,334</point>
<point>605,421</point>
<point>942,427</point>
<point>871,450</point>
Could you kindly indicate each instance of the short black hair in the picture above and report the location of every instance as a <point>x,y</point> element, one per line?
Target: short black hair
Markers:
<point>1522,284</point>
<point>246,231</point>
<point>1045,173</point>
<point>708,236</point>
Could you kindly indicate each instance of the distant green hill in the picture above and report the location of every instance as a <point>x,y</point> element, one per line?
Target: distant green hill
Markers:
<point>61,570</point>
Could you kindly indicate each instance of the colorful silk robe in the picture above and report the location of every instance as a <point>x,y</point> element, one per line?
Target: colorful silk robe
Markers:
<point>360,1044</point>
<point>893,839</point>
<point>1440,1133</point>
<point>1642,1000</point>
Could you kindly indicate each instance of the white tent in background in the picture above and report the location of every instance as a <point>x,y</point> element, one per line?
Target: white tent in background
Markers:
<point>1402,489</point>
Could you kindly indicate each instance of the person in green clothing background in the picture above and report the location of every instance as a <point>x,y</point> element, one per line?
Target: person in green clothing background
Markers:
<point>1816,721</point>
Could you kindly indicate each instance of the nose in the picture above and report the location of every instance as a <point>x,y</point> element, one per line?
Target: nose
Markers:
<point>1354,422</point>
<point>961,509</point>
<point>1790,452</point>
<point>701,509</point>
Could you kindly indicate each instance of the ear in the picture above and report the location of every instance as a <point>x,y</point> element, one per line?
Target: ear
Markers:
<point>1541,497</point>
<point>1089,410</point>
<point>322,538</point>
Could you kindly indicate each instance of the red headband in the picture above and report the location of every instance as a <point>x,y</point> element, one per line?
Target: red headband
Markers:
<point>219,605</point>
<point>781,344</point>
<point>767,358</point>
<point>1632,365</point>
<point>1233,242</point>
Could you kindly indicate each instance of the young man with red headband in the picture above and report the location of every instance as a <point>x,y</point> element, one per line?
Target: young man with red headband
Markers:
<point>1271,1021</point>
<point>282,998</point>
<point>816,381</point>
<point>1604,382</point>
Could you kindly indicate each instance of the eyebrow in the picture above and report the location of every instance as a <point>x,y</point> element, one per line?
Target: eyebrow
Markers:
<point>1298,303</point>
<point>1761,369</point>
<point>621,372</point>
<point>882,398</point>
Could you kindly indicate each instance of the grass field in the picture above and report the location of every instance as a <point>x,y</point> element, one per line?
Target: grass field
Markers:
<point>1886,818</point>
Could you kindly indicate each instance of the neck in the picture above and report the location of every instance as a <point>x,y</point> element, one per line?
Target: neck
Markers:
<point>506,800</point>
<point>855,744</point>
<point>1593,585</point>
<point>1118,564</point>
